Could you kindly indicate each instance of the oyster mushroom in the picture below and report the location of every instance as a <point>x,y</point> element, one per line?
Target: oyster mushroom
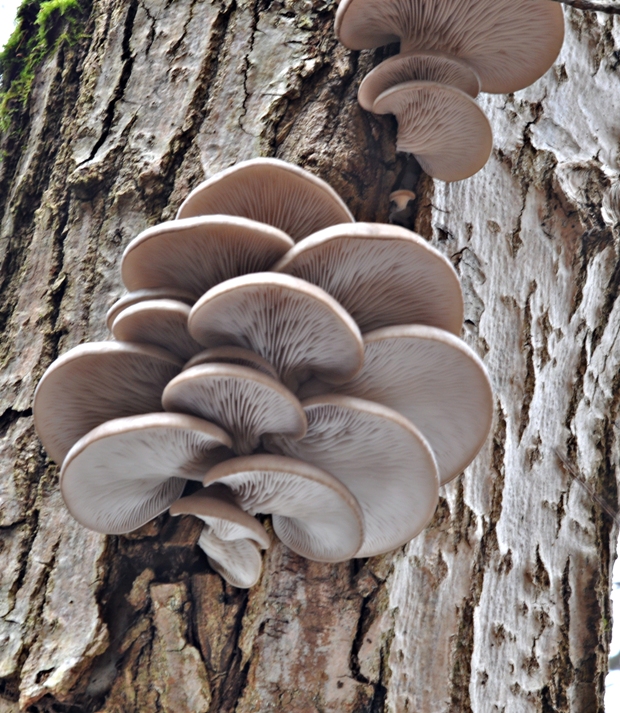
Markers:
<point>97,382</point>
<point>197,253</point>
<point>270,191</point>
<point>247,403</point>
<point>380,457</point>
<point>295,326</point>
<point>381,274</point>
<point>508,43</point>
<point>132,298</point>
<point>127,471</point>
<point>313,513</point>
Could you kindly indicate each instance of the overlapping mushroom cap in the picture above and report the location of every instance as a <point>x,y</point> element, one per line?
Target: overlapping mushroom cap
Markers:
<point>251,323</point>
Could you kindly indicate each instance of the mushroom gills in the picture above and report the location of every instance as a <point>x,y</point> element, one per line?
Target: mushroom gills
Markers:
<point>127,471</point>
<point>313,513</point>
<point>270,191</point>
<point>244,401</point>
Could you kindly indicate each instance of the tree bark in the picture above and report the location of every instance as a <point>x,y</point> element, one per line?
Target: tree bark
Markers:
<point>502,604</point>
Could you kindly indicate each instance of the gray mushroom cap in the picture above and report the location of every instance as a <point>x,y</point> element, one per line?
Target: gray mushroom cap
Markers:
<point>239,562</point>
<point>433,379</point>
<point>247,403</point>
<point>127,471</point>
<point>297,327</point>
<point>509,43</point>
<point>313,513</point>
<point>132,298</point>
<point>381,458</point>
<point>443,127</point>
<point>197,253</point>
<point>381,274</point>
<point>94,383</point>
<point>232,355</point>
<point>162,323</point>
<point>270,191</point>
<point>424,66</point>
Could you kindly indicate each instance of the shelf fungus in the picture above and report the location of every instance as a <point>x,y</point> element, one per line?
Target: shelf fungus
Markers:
<point>290,362</point>
<point>449,51</point>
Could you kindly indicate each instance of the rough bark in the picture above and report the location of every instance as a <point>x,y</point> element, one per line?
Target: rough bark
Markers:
<point>502,604</point>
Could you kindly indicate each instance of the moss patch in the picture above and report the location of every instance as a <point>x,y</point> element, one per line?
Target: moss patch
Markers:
<point>42,26</point>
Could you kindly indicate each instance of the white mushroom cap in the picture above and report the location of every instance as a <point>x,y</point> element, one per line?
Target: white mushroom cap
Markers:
<point>162,323</point>
<point>196,253</point>
<point>270,191</point>
<point>216,507</point>
<point>127,471</point>
<point>312,512</point>
<point>133,298</point>
<point>238,561</point>
<point>381,274</point>
<point>509,43</point>
<point>441,126</point>
<point>381,458</point>
<point>433,379</point>
<point>424,66</point>
<point>296,326</point>
<point>244,401</point>
<point>232,355</point>
<point>93,383</point>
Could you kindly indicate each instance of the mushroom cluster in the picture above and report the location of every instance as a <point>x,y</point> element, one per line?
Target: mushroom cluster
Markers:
<point>292,361</point>
<point>450,50</point>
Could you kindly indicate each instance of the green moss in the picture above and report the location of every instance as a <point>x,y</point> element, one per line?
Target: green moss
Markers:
<point>42,26</point>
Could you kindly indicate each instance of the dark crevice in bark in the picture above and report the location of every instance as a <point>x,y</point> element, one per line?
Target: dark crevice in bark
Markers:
<point>527,350</point>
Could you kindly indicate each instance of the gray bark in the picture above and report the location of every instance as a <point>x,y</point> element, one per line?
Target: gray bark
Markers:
<point>503,603</point>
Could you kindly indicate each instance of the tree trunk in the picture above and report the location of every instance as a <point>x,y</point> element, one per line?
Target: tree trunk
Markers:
<point>502,603</point>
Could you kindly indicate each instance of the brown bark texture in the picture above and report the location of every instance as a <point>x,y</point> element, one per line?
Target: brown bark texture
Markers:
<point>502,604</point>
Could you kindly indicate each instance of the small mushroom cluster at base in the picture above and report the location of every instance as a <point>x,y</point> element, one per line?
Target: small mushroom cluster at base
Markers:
<point>294,362</point>
<point>450,50</point>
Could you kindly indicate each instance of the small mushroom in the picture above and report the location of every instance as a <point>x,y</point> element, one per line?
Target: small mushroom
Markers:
<point>402,198</point>
<point>433,379</point>
<point>380,457</point>
<point>230,536</point>
<point>424,66</point>
<point>381,274</point>
<point>270,191</point>
<point>243,401</point>
<point>197,253</point>
<point>292,324</point>
<point>508,43</point>
<point>232,355</point>
<point>127,471</point>
<point>133,298</point>
<point>93,383</point>
<point>162,323</point>
<point>443,127</point>
<point>312,512</point>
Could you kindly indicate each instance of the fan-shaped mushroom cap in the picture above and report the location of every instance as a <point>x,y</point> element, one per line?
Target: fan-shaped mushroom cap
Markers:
<point>272,192</point>
<point>509,43</point>
<point>232,355</point>
<point>434,380</point>
<point>93,383</point>
<point>443,127</point>
<point>238,561</point>
<point>421,66</point>
<point>381,274</point>
<point>296,326</point>
<point>244,401</point>
<point>381,458</point>
<point>312,512</point>
<point>197,253</point>
<point>127,471</point>
<point>133,298</point>
<point>216,507</point>
<point>162,323</point>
